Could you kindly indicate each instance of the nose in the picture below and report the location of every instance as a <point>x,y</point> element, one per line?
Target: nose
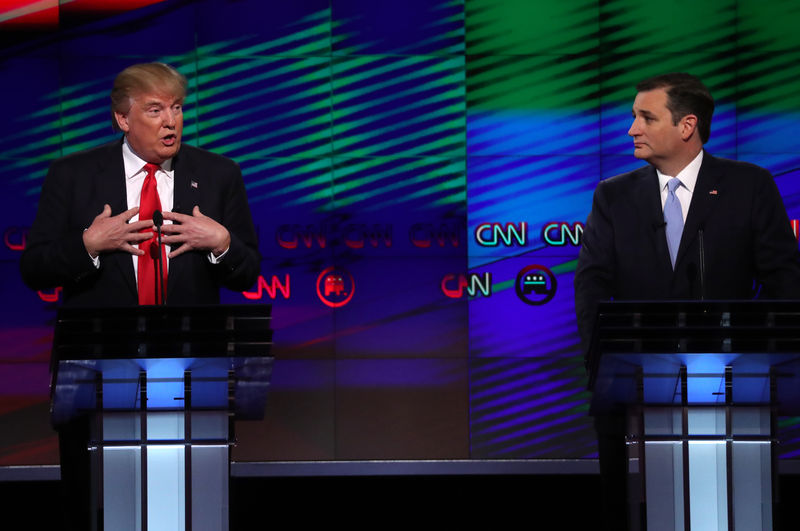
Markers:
<point>170,118</point>
<point>634,128</point>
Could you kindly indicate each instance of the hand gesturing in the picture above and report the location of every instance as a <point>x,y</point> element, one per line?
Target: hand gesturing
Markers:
<point>114,233</point>
<point>194,233</point>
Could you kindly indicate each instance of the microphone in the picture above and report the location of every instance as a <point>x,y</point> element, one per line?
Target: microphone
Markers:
<point>158,221</point>
<point>702,252</point>
<point>660,225</point>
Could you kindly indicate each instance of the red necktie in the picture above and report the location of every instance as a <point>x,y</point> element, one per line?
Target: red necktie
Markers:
<point>148,262</point>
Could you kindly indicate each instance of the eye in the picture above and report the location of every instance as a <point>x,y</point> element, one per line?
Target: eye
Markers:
<point>177,108</point>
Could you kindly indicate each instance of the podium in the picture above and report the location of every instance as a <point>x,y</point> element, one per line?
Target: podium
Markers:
<point>701,385</point>
<point>162,385</point>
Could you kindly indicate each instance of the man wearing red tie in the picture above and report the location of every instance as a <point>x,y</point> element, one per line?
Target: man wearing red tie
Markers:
<point>93,233</point>
<point>94,229</point>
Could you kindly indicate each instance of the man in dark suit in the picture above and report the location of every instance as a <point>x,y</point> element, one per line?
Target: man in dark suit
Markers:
<point>88,239</point>
<point>687,226</point>
<point>86,228</point>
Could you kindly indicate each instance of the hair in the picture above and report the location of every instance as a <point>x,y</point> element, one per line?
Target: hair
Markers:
<point>141,79</point>
<point>686,94</point>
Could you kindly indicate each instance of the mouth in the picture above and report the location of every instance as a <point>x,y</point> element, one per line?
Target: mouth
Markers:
<point>169,140</point>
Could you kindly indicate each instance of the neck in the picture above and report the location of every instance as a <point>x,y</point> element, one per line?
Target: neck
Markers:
<point>676,165</point>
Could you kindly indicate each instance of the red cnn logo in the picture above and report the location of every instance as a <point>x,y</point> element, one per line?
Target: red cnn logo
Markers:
<point>454,286</point>
<point>290,236</point>
<point>423,235</point>
<point>50,297</point>
<point>272,288</point>
<point>15,238</point>
<point>356,235</point>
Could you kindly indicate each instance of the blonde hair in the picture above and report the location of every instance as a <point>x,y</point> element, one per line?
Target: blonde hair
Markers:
<point>141,79</point>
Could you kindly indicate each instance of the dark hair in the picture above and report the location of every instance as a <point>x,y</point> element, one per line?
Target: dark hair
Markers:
<point>143,78</point>
<point>686,94</point>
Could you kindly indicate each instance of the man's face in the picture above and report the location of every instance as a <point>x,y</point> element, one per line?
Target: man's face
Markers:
<point>153,125</point>
<point>655,138</point>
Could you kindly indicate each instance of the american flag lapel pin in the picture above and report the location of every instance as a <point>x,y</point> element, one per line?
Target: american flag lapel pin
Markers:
<point>711,192</point>
<point>194,185</point>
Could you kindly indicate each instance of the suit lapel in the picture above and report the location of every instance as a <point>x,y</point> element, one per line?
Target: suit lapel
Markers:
<point>111,180</point>
<point>652,215</point>
<point>704,200</point>
<point>110,184</point>
<point>184,199</point>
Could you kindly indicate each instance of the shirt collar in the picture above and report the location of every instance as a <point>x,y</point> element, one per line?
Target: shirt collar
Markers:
<point>688,175</point>
<point>134,164</point>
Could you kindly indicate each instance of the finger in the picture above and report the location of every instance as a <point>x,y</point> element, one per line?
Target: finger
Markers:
<point>172,228</point>
<point>132,249</point>
<point>176,216</point>
<point>196,211</point>
<point>106,213</point>
<point>173,239</point>
<point>139,237</point>
<point>128,214</point>
<point>179,251</point>
<point>140,225</point>
<point>176,239</point>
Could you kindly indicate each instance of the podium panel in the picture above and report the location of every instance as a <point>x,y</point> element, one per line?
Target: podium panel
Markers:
<point>162,386</point>
<point>701,384</point>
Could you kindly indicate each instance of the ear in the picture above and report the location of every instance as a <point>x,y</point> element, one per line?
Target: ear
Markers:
<point>688,126</point>
<point>122,121</point>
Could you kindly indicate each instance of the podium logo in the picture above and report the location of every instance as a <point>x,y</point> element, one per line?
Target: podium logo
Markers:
<point>15,238</point>
<point>272,288</point>
<point>453,286</point>
<point>560,233</point>
<point>335,287</point>
<point>535,285</point>
<point>492,234</point>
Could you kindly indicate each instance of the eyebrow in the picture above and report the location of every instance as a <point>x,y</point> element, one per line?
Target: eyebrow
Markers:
<point>643,112</point>
<point>158,103</point>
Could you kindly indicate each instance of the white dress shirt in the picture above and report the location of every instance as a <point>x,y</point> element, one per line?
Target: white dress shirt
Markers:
<point>688,178</point>
<point>134,179</point>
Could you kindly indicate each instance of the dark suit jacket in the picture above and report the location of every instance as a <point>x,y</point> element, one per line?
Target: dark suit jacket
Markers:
<point>747,239</point>
<point>74,192</point>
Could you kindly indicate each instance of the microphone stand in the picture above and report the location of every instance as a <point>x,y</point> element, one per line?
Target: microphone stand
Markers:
<point>702,264</point>
<point>158,221</point>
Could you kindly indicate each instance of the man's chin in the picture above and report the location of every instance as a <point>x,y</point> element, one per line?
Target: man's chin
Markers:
<point>167,152</point>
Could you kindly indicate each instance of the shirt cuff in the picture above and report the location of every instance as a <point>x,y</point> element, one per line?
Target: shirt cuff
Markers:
<point>217,259</point>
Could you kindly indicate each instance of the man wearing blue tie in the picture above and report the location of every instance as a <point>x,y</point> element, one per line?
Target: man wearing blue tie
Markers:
<point>686,226</point>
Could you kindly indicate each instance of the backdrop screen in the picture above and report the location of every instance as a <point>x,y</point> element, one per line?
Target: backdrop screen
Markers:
<point>409,166</point>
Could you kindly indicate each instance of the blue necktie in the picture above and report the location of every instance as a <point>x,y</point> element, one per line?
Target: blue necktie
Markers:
<point>674,218</point>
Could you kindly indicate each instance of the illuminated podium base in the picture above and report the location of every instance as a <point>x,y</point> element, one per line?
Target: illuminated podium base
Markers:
<point>157,480</point>
<point>161,427</point>
<point>702,420</point>
<point>699,465</point>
